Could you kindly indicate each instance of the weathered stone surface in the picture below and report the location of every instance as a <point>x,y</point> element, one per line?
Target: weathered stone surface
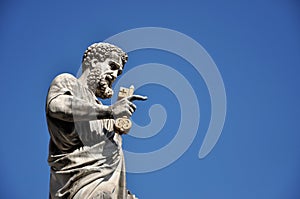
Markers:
<point>85,150</point>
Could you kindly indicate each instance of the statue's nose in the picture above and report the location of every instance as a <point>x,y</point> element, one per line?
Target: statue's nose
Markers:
<point>115,73</point>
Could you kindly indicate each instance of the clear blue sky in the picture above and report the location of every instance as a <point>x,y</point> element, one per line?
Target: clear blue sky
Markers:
<point>256,46</point>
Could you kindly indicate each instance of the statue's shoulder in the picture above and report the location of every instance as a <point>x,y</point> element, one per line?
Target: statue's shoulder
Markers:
<point>63,83</point>
<point>64,77</point>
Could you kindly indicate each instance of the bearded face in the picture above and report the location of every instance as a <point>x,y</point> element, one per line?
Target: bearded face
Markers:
<point>102,74</point>
<point>100,84</point>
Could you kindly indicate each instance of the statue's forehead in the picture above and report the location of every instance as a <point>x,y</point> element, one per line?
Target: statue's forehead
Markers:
<point>115,57</point>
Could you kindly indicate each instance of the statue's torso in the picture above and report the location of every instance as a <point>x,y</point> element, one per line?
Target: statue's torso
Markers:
<point>86,158</point>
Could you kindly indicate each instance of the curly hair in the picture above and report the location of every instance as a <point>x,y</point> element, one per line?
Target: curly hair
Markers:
<point>101,51</point>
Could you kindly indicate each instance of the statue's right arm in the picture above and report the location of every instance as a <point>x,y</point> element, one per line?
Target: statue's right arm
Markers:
<point>69,108</point>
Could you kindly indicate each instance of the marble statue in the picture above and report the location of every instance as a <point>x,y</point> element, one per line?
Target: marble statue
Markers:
<point>85,150</point>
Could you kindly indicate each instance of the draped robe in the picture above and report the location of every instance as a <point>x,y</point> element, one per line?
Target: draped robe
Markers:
<point>85,157</point>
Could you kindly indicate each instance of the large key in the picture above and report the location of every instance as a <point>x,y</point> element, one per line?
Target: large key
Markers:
<point>124,124</point>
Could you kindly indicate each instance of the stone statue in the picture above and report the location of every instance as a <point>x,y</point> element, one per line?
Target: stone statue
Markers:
<point>85,150</point>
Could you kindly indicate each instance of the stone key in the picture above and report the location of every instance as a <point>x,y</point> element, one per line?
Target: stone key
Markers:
<point>124,124</point>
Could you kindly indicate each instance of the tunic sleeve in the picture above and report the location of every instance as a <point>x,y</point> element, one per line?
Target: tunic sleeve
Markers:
<point>63,84</point>
<point>63,136</point>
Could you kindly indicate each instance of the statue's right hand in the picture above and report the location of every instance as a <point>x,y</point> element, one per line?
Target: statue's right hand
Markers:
<point>125,107</point>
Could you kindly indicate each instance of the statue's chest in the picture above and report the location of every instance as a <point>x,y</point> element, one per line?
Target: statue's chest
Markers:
<point>85,94</point>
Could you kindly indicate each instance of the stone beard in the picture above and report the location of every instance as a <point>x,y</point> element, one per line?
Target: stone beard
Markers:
<point>99,84</point>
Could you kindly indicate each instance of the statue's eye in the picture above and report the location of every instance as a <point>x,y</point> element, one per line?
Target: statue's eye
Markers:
<point>113,66</point>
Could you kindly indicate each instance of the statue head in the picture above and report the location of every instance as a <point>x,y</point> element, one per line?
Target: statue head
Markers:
<point>105,62</point>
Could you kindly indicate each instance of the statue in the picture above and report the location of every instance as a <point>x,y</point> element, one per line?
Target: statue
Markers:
<point>85,149</point>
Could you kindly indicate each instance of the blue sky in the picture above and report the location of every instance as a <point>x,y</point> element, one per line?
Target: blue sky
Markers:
<point>255,45</point>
